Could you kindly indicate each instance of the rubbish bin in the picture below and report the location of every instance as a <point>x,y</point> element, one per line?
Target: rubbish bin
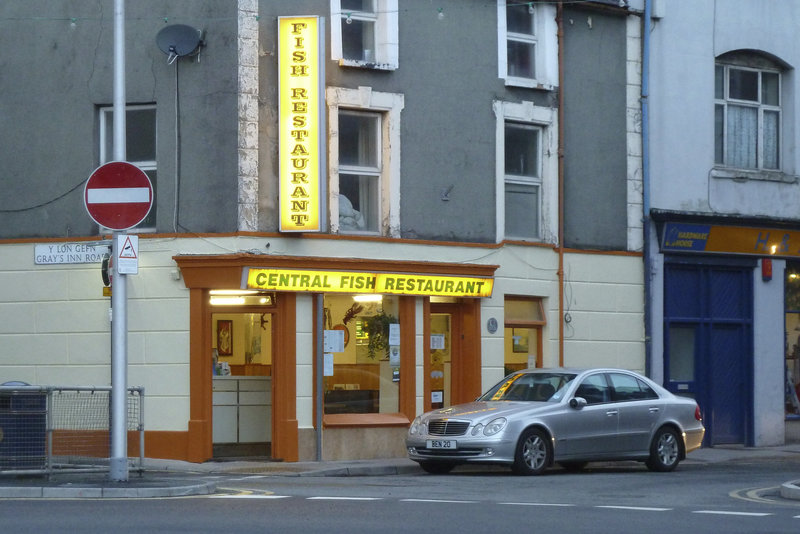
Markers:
<point>23,428</point>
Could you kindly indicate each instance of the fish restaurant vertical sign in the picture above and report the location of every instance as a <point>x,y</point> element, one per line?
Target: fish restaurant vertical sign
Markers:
<point>300,115</point>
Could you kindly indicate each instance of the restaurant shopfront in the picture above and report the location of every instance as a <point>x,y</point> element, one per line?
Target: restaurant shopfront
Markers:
<point>399,337</point>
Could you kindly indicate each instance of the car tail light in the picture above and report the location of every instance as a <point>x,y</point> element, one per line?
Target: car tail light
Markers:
<point>697,414</point>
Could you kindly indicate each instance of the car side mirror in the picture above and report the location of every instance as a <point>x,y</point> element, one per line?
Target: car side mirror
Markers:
<point>577,403</point>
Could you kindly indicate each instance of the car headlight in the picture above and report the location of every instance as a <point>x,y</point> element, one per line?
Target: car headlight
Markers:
<point>494,426</point>
<point>417,427</point>
<point>477,429</point>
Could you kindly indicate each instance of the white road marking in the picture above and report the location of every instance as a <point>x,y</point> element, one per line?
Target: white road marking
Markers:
<point>249,496</point>
<point>723,512</point>
<point>345,499</point>
<point>438,501</point>
<point>535,504</point>
<point>639,508</point>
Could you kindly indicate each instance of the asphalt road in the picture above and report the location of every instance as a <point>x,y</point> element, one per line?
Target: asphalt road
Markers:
<point>732,497</point>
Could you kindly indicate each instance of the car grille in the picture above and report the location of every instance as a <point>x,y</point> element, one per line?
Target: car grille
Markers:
<point>445,427</point>
<point>444,453</point>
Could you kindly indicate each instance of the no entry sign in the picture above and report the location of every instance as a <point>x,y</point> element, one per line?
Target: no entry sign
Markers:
<point>118,195</point>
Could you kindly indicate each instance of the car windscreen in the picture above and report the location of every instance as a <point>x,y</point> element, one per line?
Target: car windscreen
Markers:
<point>534,387</point>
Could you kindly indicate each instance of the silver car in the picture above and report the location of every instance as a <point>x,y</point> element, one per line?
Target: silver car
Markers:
<point>536,418</point>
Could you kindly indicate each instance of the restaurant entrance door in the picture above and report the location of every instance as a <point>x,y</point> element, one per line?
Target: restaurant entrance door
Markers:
<point>242,343</point>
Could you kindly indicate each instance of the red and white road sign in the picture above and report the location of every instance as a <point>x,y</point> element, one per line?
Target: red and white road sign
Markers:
<point>118,195</point>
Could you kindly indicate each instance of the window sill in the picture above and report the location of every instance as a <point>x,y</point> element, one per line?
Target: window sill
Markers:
<point>528,83</point>
<point>365,419</point>
<point>366,64</point>
<point>742,175</point>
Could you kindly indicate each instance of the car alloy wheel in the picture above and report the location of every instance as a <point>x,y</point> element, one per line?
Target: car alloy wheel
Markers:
<point>665,451</point>
<point>533,453</point>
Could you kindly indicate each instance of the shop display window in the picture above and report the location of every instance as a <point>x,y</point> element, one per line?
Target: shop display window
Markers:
<point>364,376</point>
<point>524,319</point>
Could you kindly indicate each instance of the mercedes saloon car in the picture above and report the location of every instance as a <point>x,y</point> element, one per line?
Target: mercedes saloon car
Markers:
<point>537,418</point>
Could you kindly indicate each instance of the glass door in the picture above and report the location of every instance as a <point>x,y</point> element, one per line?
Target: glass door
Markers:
<point>441,359</point>
<point>242,345</point>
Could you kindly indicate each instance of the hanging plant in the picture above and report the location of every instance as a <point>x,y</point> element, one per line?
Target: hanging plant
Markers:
<point>377,329</point>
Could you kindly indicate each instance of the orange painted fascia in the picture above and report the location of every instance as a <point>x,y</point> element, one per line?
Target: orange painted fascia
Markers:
<point>285,435</point>
<point>225,271</point>
<point>471,349</point>
<point>408,350</point>
<point>199,446</point>
<point>426,356</point>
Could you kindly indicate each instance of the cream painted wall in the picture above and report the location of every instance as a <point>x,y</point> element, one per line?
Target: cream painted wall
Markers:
<point>55,328</point>
<point>54,323</point>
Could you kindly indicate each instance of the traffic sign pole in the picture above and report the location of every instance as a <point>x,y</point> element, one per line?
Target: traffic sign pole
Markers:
<point>118,462</point>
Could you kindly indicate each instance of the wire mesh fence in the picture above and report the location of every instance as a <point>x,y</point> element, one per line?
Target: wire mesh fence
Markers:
<point>49,428</point>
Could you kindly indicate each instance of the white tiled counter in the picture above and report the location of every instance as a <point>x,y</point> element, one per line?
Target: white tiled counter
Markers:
<point>242,409</point>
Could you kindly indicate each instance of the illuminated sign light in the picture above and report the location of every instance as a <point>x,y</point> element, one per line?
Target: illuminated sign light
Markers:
<point>299,123</point>
<point>356,282</point>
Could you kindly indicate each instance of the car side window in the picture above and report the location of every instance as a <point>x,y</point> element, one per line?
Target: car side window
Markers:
<point>594,389</point>
<point>629,388</point>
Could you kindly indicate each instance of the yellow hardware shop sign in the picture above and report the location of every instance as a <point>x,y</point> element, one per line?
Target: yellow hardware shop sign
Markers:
<point>356,282</point>
<point>299,129</point>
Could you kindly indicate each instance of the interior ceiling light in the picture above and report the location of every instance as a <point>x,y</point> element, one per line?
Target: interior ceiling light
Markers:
<point>368,298</point>
<point>227,301</point>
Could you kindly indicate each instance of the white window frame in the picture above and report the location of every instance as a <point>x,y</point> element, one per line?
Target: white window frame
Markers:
<point>389,105</point>
<point>546,56</point>
<point>760,107</point>
<point>386,35</point>
<point>145,165</point>
<point>547,120</point>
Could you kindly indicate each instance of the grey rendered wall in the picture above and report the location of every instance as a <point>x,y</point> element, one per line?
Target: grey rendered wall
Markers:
<point>595,156</point>
<point>56,60</point>
<point>448,76</point>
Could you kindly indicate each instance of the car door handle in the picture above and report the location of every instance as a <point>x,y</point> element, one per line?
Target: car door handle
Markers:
<point>612,412</point>
<point>654,409</point>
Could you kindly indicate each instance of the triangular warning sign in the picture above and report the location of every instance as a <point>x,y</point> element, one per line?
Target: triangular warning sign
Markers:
<point>128,251</point>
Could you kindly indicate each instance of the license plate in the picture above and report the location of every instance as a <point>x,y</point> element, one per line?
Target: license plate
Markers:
<point>442,444</point>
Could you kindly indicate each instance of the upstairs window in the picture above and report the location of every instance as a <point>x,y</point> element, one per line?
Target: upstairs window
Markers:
<point>140,145</point>
<point>526,166</point>
<point>523,179</point>
<point>364,33</point>
<point>364,167</point>
<point>747,115</point>
<point>527,44</point>
<point>359,171</point>
<point>521,40</point>
<point>358,22</point>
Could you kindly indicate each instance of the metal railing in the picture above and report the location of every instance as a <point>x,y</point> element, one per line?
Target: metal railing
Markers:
<point>46,429</point>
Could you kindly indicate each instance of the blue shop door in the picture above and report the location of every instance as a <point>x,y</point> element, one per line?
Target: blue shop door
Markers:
<point>708,344</point>
<point>727,393</point>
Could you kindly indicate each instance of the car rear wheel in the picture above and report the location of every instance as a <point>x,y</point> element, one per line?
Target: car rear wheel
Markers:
<point>437,468</point>
<point>665,451</point>
<point>533,453</point>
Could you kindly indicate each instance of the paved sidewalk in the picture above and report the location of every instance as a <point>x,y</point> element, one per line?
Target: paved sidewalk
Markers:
<point>170,478</point>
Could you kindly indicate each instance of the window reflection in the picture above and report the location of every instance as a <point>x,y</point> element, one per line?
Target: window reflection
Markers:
<point>366,372</point>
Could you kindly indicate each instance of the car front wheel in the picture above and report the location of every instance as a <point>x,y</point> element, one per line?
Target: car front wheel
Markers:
<point>665,451</point>
<point>533,453</point>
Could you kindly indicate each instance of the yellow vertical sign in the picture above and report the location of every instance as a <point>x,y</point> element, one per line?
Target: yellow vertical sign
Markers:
<point>299,73</point>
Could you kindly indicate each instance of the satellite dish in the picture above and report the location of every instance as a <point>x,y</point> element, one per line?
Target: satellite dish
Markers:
<point>179,40</point>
